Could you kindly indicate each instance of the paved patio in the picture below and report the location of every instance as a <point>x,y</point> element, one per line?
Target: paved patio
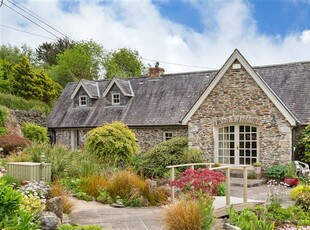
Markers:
<point>150,217</point>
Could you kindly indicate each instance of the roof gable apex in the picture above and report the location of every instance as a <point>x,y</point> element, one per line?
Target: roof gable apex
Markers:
<point>81,84</point>
<point>236,55</point>
<point>116,81</point>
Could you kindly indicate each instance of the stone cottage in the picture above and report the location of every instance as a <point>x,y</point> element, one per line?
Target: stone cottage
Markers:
<point>237,115</point>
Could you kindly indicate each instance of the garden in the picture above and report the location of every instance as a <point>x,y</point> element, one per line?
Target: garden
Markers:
<point>109,170</point>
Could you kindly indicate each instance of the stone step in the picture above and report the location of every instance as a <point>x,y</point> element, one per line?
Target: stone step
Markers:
<point>238,182</point>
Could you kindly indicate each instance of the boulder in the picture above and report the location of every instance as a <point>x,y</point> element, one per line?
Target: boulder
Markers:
<point>48,220</point>
<point>55,205</point>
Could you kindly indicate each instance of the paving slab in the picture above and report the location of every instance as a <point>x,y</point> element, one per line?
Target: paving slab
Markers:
<point>150,218</point>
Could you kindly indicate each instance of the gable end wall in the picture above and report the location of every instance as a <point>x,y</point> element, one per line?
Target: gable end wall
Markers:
<point>237,99</point>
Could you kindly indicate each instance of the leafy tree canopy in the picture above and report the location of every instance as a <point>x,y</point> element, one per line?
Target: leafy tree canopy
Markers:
<point>123,63</point>
<point>83,61</point>
<point>48,51</point>
<point>11,54</point>
<point>6,70</point>
<point>306,143</point>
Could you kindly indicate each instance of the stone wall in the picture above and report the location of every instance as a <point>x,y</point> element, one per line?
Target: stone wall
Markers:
<point>237,99</point>
<point>33,116</point>
<point>147,137</point>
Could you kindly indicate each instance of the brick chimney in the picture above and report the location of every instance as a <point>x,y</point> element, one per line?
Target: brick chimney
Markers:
<point>156,71</point>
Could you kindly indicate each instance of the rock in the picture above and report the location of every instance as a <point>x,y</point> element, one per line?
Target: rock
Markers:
<point>55,205</point>
<point>48,220</point>
<point>231,227</point>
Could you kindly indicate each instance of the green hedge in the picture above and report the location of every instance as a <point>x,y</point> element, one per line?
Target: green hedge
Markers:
<point>3,114</point>
<point>13,102</point>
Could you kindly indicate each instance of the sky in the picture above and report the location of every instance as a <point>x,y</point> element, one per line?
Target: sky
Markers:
<point>183,35</point>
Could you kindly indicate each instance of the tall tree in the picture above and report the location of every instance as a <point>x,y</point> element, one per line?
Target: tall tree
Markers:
<point>84,60</point>
<point>6,70</point>
<point>48,51</point>
<point>123,63</point>
<point>11,54</point>
<point>28,84</point>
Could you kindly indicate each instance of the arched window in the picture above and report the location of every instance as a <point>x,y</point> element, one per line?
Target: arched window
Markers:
<point>237,144</point>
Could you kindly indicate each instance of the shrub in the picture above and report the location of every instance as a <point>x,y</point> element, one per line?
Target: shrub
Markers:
<point>58,190</point>
<point>133,190</point>
<point>306,142</point>
<point>12,142</point>
<point>11,181</point>
<point>122,183</point>
<point>190,214</point>
<point>31,204</point>
<point>276,171</point>
<point>34,132</point>
<point>9,200</point>
<point>114,143</point>
<point>296,192</point>
<point>203,180</point>
<point>303,199</point>
<point>92,185</point>
<point>14,102</point>
<point>65,162</point>
<point>171,152</point>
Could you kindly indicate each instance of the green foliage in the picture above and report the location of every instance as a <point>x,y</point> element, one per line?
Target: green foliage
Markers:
<point>48,51</point>
<point>6,69</point>
<point>28,84</point>
<point>3,114</point>
<point>9,200</point>
<point>291,171</point>
<point>306,142</point>
<point>84,60</point>
<point>15,183</point>
<point>114,143</point>
<point>10,54</point>
<point>123,63</point>
<point>22,220</point>
<point>35,132</point>
<point>303,198</point>
<point>221,189</point>
<point>276,171</point>
<point>172,152</point>
<point>66,162</point>
<point>14,102</point>
<point>31,204</point>
<point>206,211</point>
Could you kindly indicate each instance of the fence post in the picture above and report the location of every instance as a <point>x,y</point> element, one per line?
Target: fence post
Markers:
<point>227,186</point>
<point>172,187</point>
<point>245,185</point>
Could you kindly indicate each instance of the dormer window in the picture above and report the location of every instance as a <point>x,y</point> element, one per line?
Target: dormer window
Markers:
<point>82,101</point>
<point>116,99</point>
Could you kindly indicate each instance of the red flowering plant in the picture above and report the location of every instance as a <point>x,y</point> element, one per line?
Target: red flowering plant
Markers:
<point>200,180</point>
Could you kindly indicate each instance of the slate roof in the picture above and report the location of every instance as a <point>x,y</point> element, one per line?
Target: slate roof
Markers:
<point>167,99</point>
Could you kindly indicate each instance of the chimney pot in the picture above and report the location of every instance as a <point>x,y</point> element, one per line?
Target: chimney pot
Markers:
<point>156,71</point>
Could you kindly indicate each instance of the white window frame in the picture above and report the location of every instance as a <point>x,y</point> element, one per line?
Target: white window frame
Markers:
<point>237,157</point>
<point>167,136</point>
<point>116,98</point>
<point>82,100</point>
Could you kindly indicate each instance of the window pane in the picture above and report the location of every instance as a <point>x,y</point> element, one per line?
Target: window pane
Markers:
<point>254,136</point>
<point>232,129</point>
<point>220,159</point>
<point>241,128</point>
<point>241,153</point>
<point>254,153</point>
<point>247,161</point>
<point>248,153</point>
<point>248,144</point>
<point>253,129</point>
<point>221,137</point>
<point>220,130</point>
<point>241,145</point>
<point>232,160</point>
<point>232,145</point>
<point>232,153</point>
<point>248,128</point>
<point>241,137</point>
<point>220,144</point>
<point>225,129</point>
<point>232,137</point>
<point>254,145</point>
<point>241,161</point>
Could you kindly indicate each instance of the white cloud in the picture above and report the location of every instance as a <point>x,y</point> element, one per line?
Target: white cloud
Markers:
<point>139,25</point>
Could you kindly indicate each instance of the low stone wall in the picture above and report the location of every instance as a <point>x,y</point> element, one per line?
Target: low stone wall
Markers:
<point>33,116</point>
